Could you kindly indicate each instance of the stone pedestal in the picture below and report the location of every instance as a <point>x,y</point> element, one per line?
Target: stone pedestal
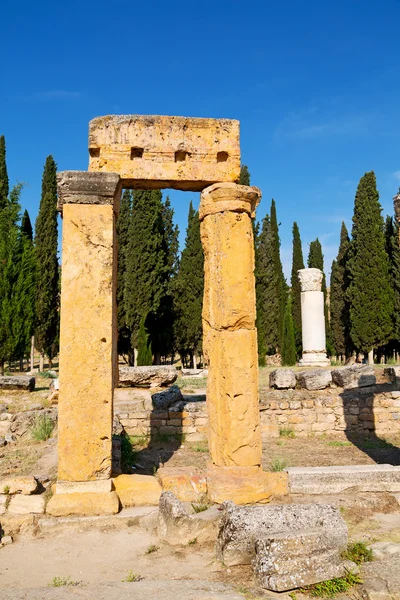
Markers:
<point>312,319</point>
<point>229,333</point>
<point>89,203</point>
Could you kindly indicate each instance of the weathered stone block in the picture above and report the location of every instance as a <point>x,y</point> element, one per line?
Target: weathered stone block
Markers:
<point>152,376</point>
<point>188,484</point>
<point>314,379</point>
<point>392,373</point>
<point>176,526</point>
<point>241,527</point>
<point>26,505</point>
<point>150,151</point>
<point>137,490</point>
<point>282,379</point>
<point>83,504</point>
<point>19,484</point>
<point>243,485</point>
<point>354,376</point>
<point>163,400</point>
<point>14,382</point>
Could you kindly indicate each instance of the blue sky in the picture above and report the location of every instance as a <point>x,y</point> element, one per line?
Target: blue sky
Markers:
<point>315,85</point>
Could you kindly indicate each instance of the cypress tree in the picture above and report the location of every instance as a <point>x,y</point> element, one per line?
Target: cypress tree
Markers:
<point>147,270</point>
<point>339,306</point>
<point>47,268</point>
<point>188,291</point>
<point>263,259</point>
<point>124,332</point>
<point>288,340</point>
<point>26,226</point>
<point>278,272</point>
<point>316,261</point>
<point>369,293</point>
<point>144,357</point>
<point>244,178</point>
<point>297,264</point>
<point>3,174</point>
<point>393,252</point>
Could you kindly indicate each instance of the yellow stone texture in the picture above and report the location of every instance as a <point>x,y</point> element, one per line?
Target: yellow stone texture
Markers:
<point>137,490</point>
<point>151,151</point>
<point>86,504</point>
<point>242,485</point>
<point>88,365</point>
<point>187,483</point>
<point>229,333</point>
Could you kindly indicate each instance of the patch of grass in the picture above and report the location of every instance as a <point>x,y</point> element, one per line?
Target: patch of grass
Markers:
<point>128,454</point>
<point>338,443</point>
<point>286,432</point>
<point>196,383</point>
<point>132,577</point>
<point>47,375</point>
<point>391,362</point>
<point>192,542</point>
<point>358,553</point>
<point>329,589</point>
<point>200,447</point>
<point>42,428</point>
<point>292,595</point>
<point>62,581</point>
<point>278,464</point>
<point>199,507</point>
<point>151,549</point>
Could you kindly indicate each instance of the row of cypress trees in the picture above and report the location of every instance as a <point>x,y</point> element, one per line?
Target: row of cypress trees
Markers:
<point>29,270</point>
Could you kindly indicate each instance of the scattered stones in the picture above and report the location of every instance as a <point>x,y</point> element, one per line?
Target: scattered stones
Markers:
<point>314,379</point>
<point>14,382</point>
<point>177,526</point>
<point>18,484</point>
<point>354,376</point>
<point>242,526</point>
<point>137,490</point>
<point>26,505</point>
<point>165,399</point>
<point>188,484</point>
<point>154,376</point>
<point>282,379</point>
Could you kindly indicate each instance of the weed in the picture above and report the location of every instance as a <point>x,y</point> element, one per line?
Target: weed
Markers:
<point>139,440</point>
<point>358,553</point>
<point>6,489</point>
<point>200,447</point>
<point>278,464</point>
<point>338,443</point>
<point>329,589</point>
<point>280,443</point>
<point>132,577</point>
<point>152,548</point>
<point>199,507</point>
<point>192,542</point>
<point>286,432</point>
<point>42,428</point>
<point>62,581</point>
<point>292,595</point>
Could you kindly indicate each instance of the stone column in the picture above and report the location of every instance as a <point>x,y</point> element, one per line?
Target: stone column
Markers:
<point>229,332</point>
<point>312,319</point>
<point>89,203</point>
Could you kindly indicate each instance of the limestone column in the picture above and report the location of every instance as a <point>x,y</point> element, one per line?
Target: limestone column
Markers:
<point>312,319</point>
<point>89,203</point>
<point>229,332</point>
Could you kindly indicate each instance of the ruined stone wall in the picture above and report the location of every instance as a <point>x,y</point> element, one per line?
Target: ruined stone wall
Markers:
<point>331,412</point>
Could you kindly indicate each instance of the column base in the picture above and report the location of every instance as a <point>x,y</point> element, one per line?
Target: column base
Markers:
<point>314,359</point>
<point>244,485</point>
<point>83,498</point>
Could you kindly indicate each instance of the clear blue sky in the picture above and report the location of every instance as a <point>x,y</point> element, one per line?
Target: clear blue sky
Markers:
<point>315,85</point>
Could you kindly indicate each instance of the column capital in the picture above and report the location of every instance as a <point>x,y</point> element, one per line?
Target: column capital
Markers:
<point>310,279</point>
<point>83,187</point>
<point>229,197</point>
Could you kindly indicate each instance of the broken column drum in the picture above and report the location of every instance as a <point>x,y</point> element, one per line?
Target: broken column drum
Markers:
<point>312,318</point>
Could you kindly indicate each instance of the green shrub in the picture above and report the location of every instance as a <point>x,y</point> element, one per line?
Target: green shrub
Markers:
<point>132,577</point>
<point>199,507</point>
<point>278,464</point>
<point>62,581</point>
<point>42,428</point>
<point>358,553</point>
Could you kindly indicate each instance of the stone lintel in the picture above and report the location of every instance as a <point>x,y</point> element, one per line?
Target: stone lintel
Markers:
<point>222,197</point>
<point>82,187</point>
<point>310,279</point>
<point>154,152</point>
<point>84,487</point>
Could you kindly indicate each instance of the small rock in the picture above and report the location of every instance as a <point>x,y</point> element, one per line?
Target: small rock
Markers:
<point>165,399</point>
<point>6,540</point>
<point>10,438</point>
<point>354,376</point>
<point>314,379</point>
<point>3,442</point>
<point>282,379</point>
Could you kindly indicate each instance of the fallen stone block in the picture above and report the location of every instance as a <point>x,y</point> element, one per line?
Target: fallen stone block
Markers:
<point>154,376</point>
<point>14,382</point>
<point>84,504</point>
<point>282,379</point>
<point>166,398</point>
<point>288,560</point>
<point>314,379</point>
<point>6,540</point>
<point>137,490</point>
<point>176,526</point>
<point>188,484</point>
<point>26,505</point>
<point>242,526</point>
<point>19,484</point>
<point>354,376</point>
<point>334,480</point>
<point>244,485</point>
<point>392,374</point>
<point>194,373</point>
